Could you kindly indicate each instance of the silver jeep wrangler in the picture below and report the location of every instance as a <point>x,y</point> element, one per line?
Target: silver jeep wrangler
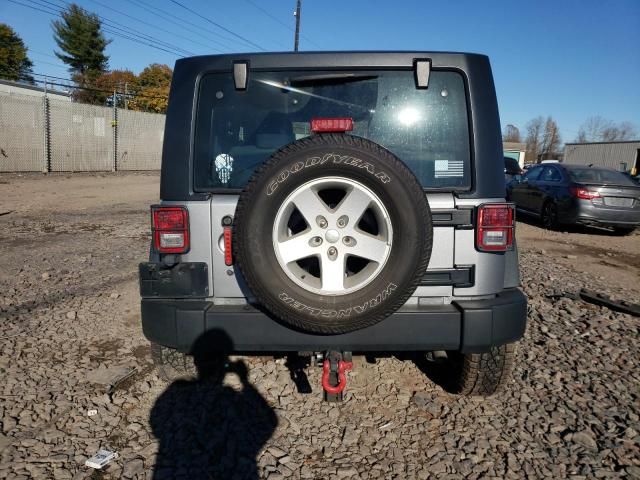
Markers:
<point>332,203</point>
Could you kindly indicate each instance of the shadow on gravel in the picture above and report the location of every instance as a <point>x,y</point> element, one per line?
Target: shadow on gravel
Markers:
<point>207,429</point>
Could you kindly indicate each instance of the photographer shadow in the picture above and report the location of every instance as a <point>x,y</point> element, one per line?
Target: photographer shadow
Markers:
<point>207,429</point>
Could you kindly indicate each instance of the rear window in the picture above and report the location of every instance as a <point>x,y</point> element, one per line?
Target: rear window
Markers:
<point>598,175</point>
<point>426,128</point>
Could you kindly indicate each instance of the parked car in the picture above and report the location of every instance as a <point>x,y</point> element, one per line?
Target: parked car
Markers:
<point>331,203</point>
<point>562,194</point>
<point>634,178</point>
<point>511,169</point>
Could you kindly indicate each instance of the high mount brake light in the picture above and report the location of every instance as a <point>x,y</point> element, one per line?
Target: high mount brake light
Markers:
<point>494,230</point>
<point>326,125</point>
<point>170,227</point>
<point>584,193</point>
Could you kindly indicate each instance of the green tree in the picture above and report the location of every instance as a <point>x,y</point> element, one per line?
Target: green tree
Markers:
<point>79,36</point>
<point>14,60</point>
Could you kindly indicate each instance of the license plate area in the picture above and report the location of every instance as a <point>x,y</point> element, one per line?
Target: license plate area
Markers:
<point>183,280</point>
<point>618,202</point>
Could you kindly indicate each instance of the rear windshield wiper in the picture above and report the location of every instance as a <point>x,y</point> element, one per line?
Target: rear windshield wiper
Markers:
<point>329,79</point>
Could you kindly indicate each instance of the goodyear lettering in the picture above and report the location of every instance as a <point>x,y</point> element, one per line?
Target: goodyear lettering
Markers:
<point>335,159</point>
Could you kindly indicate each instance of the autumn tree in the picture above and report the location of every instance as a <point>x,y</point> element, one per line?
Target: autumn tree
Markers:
<point>152,89</point>
<point>14,60</point>
<point>120,81</point>
<point>81,41</point>
<point>511,134</point>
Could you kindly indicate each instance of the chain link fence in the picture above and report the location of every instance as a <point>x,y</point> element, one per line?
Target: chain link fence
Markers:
<point>22,134</point>
<point>40,134</point>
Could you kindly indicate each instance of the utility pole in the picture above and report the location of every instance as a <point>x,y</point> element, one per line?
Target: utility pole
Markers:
<point>297,15</point>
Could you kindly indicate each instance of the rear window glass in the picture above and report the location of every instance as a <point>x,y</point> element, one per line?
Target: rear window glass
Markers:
<point>598,175</point>
<point>426,128</point>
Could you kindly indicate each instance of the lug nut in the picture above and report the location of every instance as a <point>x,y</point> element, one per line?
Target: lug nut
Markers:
<point>315,241</point>
<point>349,241</point>
<point>332,253</point>
<point>342,221</point>
<point>321,221</point>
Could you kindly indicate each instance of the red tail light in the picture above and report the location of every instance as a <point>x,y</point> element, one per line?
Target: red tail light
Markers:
<point>228,248</point>
<point>584,193</point>
<point>320,125</point>
<point>170,227</point>
<point>494,231</point>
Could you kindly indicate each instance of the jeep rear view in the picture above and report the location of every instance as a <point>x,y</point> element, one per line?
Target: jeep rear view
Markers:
<point>334,203</point>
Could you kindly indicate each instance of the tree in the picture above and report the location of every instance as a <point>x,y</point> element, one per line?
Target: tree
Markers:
<point>115,80</point>
<point>551,140</point>
<point>152,89</point>
<point>598,129</point>
<point>79,36</point>
<point>511,134</point>
<point>535,129</point>
<point>14,60</point>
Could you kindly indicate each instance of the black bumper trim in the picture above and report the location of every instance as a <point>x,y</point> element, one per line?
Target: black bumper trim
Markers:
<point>467,326</point>
<point>461,218</point>
<point>460,277</point>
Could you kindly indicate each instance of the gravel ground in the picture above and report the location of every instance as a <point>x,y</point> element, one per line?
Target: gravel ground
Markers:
<point>70,328</point>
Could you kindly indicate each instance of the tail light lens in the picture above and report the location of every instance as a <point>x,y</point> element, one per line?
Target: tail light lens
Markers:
<point>320,125</point>
<point>170,227</point>
<point>584,193</point>
<point>494,231</point>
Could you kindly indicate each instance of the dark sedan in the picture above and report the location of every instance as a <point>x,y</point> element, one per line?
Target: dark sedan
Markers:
<point>577,194</point>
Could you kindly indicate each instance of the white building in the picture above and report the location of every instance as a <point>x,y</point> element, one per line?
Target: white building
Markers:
<point>8,87</point>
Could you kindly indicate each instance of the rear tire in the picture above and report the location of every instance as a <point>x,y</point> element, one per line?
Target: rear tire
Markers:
<point>332,234</point>
<point>623,231</point>
<point>474,374</point>
<point>173,365</point>
<point>550,215</point>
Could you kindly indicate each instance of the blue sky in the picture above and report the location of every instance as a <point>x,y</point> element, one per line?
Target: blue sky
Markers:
<point>567,58</point>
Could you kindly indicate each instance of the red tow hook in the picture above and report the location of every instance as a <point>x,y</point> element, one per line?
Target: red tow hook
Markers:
<point>342,378</point>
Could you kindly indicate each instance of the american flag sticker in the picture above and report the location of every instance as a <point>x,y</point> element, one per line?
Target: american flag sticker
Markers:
<point>449,168</point>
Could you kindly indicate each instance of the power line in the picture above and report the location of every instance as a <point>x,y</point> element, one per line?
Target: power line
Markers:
<point>277,20</point>
<point>119,26</point>
<point>172,18</point>
<point>89,89</point>
<point>118,34</point>
<point>217,25</point>
<point>150,24</point>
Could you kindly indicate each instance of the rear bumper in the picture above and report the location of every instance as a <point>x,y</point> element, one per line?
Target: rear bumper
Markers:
<point>467,326</point>
<point>586,213</point>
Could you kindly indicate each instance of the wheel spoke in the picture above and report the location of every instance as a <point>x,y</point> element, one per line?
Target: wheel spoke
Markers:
<point>369,247</point>
<point>296,248</point>
<point>353,205</point>
<point>332,273</point>
<point>310,205</point>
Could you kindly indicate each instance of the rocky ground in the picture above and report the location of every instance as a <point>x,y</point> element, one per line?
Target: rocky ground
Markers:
<point>76,373</point>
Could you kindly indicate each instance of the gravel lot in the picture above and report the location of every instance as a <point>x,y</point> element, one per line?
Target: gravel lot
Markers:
<point>70,326</point>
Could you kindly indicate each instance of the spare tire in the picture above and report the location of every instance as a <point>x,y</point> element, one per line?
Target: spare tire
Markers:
<point>332,234</point>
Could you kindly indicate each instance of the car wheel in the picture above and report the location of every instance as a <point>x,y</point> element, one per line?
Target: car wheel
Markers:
<point>172,365</point>
<point>622,231</point>
<point>332,234</point>
<point>550,215</point>
<point>473,374</point>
